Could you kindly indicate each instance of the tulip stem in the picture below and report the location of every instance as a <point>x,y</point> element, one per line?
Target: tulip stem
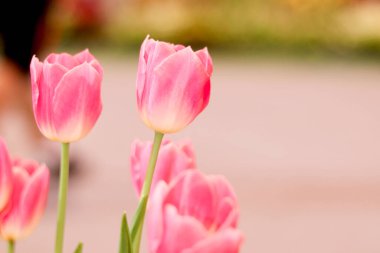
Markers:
<point>11,246</point>
<point>62,197</point>
<point>152,164</point>
<point>140,215</point>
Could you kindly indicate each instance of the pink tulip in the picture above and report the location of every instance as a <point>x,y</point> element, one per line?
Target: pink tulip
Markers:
<point>194,214</point>
<point>5,175</point>
<point>173,85</point>
<point>28,199</point>
<point>173,158</point>
<point>66,95</point>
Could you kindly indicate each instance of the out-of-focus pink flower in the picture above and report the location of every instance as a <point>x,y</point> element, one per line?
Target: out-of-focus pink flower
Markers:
<point>173,158</point>
<point>194,214</point>
<point>173,84</point>
<point>5,175</point>
<point>66,95</point>
<point>28,199</point>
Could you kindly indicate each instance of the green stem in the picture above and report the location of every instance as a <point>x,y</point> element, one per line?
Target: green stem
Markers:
<point>152,164</point>
<point>11,246</point>
<point>139,218</point>
<point>62,197</point>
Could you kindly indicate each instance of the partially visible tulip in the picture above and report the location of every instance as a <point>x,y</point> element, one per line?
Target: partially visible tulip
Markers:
<point>173,85</point>
<point>173,158</point>
<point>66,95</point>
<point>5,175</point>
<point>28,199</point>
<point>194,214</point>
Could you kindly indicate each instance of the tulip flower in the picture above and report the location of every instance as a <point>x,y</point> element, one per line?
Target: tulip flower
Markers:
<point>173,158</point>
<point>66,104</point>
<point>5,175</point>
<point>173,85</point>
<point>66,95</point>
<point>172,89</point>
<point>193,214</point>
<point>28,199</point>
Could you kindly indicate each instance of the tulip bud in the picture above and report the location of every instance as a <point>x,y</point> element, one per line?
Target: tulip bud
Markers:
<point>194,214</point>
<point>28,199</point>
<point>66,95</point>
<point>173,85</point>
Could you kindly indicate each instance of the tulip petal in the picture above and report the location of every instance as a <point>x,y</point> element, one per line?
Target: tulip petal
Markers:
<point>186,155</point>
<point>10,222</point>
<point>77,102</point>
<point>28,199</point>
<point>86,56</point>
<point>184,216</point>
<point>35,69</point>
<point>156,52</point>
<point>181,232</point>
<point>227,213</point>
<point>35,74</point>
<point>29,166</point>
<point>187,148</point>
<point>64,59</point>
<point>194,196</point>
<point>171,162</point>
<point>155,216</point>
<point>5,175</point>
<point>225,241</point>
<point>33,199</point>
<point>51,76</point>
<point>206,60</point>
<point>139,159</point>
<point>141,72</point>
<point>159,51</point>
<point>152,53</point>
<point>178,93</point>
<point>179,47</point>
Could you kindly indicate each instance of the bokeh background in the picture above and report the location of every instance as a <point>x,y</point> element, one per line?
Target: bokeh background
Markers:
<point>293,120</point>
<point>300,27</point>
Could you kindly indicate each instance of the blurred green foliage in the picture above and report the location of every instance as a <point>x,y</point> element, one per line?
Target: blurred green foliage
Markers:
<point>338,27</point>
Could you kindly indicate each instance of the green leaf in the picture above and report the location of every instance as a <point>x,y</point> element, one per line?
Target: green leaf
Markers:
<point>79,248</point>
<point>125,238</point>
<point>138,224</point>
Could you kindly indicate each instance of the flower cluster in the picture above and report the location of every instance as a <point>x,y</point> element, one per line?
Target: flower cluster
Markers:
<point>186,210</point>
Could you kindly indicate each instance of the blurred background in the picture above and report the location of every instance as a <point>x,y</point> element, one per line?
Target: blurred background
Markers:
<point>293,120</point>
<point>300,27</point>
